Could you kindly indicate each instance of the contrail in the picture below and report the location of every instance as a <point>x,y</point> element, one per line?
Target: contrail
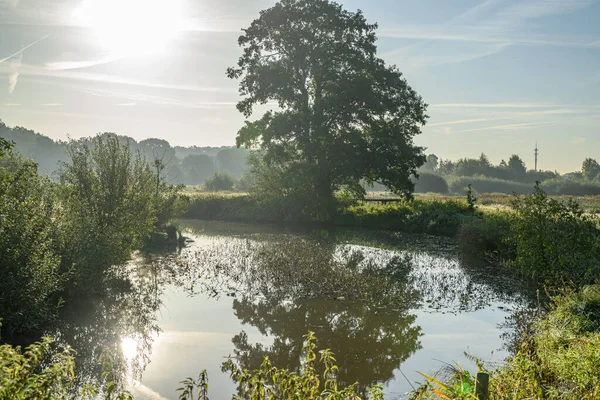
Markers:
<point>23,49</point>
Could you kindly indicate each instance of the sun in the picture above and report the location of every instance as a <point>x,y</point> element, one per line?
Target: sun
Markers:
<point>128,27</point>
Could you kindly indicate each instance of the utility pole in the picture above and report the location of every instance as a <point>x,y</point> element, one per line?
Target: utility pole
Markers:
<point>536,152</point>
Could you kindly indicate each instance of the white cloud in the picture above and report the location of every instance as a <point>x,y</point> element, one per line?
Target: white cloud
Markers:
<point>492,105</point>
<point>465,121</point>
<point>509,127</point>
<point>578,140</point>
<point>36,71</point>
<point>66,65</point>
<point>484,30</point>
<point>522,10</point>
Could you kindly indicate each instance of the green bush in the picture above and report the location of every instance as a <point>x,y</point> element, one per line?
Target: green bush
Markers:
<point>485,235</point>
<point>220,181</point>
<point>557,187</point>
<point>46,371</point>
<point>226,207</point>
<point>555,242</point>
<point>270,382</point>
<point>559,360</point>
<point>430,183</point>
<point>28,247</point>
<point>109,201</point>
<point>417,216</point>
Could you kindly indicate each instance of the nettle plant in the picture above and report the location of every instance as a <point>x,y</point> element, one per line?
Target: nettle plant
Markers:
<point>270,382</point>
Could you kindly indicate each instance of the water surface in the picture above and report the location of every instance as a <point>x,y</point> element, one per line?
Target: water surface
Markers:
<point>387,304</point>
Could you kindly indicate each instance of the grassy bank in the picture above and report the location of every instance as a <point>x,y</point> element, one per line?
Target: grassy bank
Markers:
<point>558,359</point>
<point>441,217</point>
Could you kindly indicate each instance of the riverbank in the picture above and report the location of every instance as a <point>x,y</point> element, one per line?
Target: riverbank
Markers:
<point>557,358</point>
<point>479,230</point>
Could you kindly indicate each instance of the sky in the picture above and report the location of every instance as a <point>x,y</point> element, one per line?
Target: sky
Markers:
<point>498,75</point>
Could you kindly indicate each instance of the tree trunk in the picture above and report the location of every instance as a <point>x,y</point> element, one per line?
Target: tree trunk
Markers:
<point>325,198</point>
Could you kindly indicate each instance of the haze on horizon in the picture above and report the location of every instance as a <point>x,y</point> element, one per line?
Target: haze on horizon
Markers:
<point>499,75</point>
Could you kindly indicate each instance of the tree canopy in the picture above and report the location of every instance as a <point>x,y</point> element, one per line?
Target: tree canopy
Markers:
<point>343,115</point>
<point>590,168</point>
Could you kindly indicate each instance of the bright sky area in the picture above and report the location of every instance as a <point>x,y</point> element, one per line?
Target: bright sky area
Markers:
<point>498,75</point>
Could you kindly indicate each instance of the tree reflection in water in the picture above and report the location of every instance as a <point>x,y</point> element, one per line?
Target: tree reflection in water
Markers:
<point>358,299</point>
<point>359,309</point>
<point>113,330</point>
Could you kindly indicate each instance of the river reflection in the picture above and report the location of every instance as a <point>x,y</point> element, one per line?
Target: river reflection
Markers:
<point>359,292</point>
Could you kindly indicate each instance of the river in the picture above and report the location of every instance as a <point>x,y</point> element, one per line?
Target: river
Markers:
<point>387,304</point>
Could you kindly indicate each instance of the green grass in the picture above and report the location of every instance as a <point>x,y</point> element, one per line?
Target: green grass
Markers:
<point>559,360</point>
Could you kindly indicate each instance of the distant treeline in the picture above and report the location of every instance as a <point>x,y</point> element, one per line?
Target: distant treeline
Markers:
<point>453,177</point>
<point>226,168</point>
<point>186,165</point>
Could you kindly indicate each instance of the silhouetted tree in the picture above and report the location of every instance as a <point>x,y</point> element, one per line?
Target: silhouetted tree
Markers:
<point>517,167</point>
<point>590,168</point>
<point>343,114</point>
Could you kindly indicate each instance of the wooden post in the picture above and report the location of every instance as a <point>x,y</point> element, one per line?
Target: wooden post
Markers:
<point>482,386</point>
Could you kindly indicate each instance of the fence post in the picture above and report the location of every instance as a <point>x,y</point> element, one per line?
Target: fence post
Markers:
<point>482,386</point>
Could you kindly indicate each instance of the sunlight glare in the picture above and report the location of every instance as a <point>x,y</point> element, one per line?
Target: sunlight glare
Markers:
<point>129,348</point>
<point>129,27</point>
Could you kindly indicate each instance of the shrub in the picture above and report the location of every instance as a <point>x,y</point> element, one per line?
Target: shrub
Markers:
<point>27,375</point>
<point>110,203</point>
<point>28,247</point>
<point>554,241</point>
<point>570,187</point>
<point>274,383</point>
<point>559,360</point>
<point>430,183</point>
<point>45,371</point>
<point>417,216</point>
<point>220,181</point>
<point>485,235</point>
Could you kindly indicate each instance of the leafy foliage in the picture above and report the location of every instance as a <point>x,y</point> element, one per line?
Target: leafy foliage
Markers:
<point>54,238</point>
<point>430,183</point>
<point>274,383</point>
<point>590,168</point>
<point>109,202</point>
<point>220,181</point>
<point>342,118</point>
<point>560,360</point>
<point>44,372</point>
<point>28,246</point>
<point>554,241</point>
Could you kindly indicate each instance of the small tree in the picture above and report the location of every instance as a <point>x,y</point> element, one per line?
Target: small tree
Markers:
<point>517,167</point>
<point>590,169</point>
<point>110,203</point>
<point>555,241</point>
<point>430,183</point>
<point>220,181</point>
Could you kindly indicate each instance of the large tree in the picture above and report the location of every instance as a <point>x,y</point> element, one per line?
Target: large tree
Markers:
<point>343,114</point>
